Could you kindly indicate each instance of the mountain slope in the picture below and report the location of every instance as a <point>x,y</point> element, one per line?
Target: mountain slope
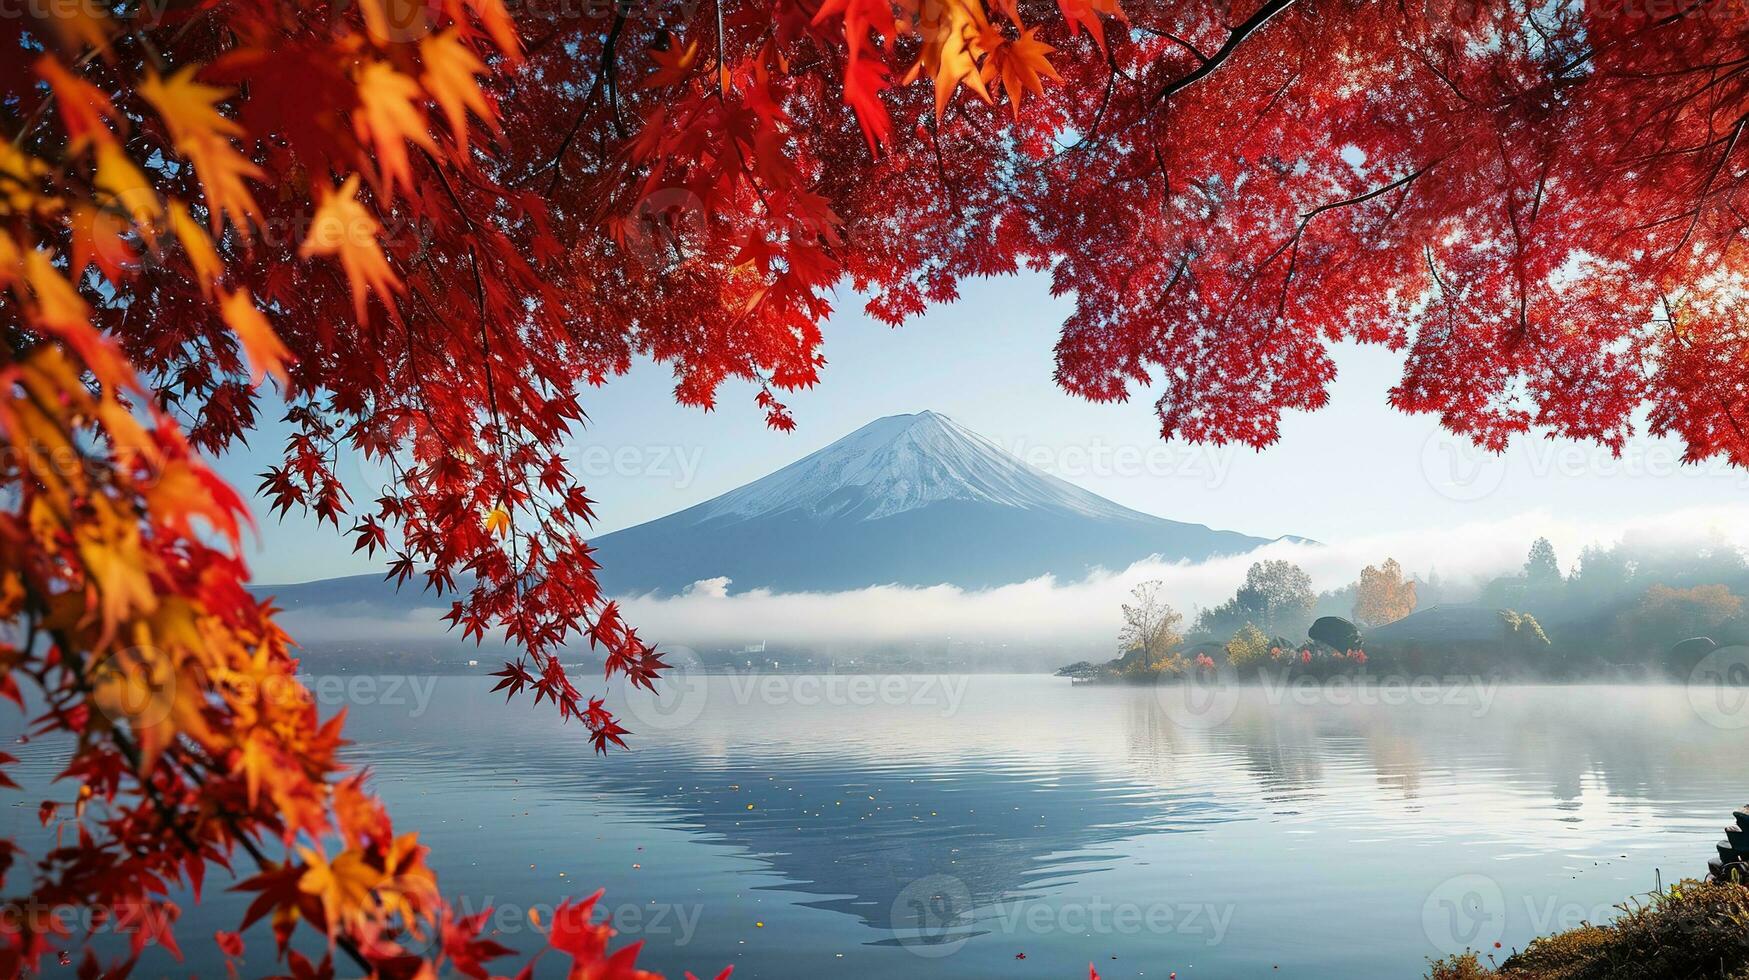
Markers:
<point>901,463</point>
<point>910,499</point>
<point>907,499</point>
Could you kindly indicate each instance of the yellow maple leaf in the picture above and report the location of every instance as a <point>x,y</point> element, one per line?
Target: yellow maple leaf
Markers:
<point>203,135</point>
<point>266,354</point>
<point>395,20</point>
<point>343,886</point>
<point>115,562</point>
<point>198,246</point>
<point>58,305</point>
<point>129,438</point>
<point>389,117</point>
<point>450,69</point>
<point>408,886</point>
<point>20,175</point>
<point>498,521</point>
<point>126,188</point>
<point>255,763</point>
<point>344,228</point>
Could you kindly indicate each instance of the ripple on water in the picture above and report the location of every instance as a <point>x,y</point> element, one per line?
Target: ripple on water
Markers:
<point>835,826</point>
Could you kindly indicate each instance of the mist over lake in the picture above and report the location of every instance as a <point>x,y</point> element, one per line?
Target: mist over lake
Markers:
<point>942,825</point>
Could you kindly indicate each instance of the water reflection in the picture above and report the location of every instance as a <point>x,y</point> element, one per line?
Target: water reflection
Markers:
<point>860,830</point>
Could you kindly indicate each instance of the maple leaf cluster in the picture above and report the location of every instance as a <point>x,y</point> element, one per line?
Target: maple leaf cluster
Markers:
<point>170,238</point>
<point>431,224</point>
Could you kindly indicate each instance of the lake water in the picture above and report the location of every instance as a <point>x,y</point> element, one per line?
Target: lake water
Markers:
<point>943,826</point>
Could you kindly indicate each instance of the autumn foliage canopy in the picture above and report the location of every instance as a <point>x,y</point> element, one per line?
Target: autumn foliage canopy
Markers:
<point>421,229</point>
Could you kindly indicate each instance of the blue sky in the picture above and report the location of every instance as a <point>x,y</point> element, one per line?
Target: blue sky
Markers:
<point>1354,469</point>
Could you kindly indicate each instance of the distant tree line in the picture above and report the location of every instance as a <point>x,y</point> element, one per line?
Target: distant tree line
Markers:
<point>1643,606</point>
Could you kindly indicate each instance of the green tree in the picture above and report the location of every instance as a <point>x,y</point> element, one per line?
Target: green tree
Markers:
<point>1280,593</point>
<point>1602,572</point>
<point>1542,571</point>
<point>1249,646</point>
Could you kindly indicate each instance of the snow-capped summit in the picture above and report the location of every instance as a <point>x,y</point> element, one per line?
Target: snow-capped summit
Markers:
<point>907,499</point>
<point>901,463</point>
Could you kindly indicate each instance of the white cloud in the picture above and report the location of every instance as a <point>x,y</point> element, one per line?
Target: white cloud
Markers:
<point>1046,611</point>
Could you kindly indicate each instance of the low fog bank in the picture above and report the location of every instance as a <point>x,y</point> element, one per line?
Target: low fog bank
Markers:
<point>1049,614</point>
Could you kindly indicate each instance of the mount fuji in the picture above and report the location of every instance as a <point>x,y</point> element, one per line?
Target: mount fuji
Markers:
<point>909,500</point>
<point>914,500</point>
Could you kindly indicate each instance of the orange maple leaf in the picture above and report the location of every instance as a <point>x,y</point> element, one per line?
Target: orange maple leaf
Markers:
<point>343,886</point>
<point>1018,66</point>
<point>82,105</point>
<point>389,116</point>
<point>343,227</point>
<point>493,15</point>
<point>450,70</point>
<point>1083,15</point>
<point>266,354</point>
<point>954,38</point>
<point>100,236</point>
<point>203,135</point>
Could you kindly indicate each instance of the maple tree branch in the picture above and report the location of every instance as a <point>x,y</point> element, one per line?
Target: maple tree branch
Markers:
<point>1175,39</point>
<point>941,174</point>
<point>1402,181</point>
<point>1677,337</point>
<point>1292,246</point>
<point>1251,25</point>
<point>609,49</point>
<point>77,671</point>
<point>1584,56</point>
<point>1706,190</point>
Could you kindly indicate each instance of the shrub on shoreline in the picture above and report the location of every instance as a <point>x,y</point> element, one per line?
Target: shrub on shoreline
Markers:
<point>1693,930</point>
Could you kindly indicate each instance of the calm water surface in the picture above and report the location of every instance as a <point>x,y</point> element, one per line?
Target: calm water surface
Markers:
<point>940,827</point>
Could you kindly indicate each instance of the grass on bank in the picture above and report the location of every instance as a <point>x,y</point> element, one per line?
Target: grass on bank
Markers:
<point>1694,929</point>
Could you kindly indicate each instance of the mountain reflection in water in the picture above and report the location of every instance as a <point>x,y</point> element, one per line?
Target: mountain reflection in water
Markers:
<point>943,826</point>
